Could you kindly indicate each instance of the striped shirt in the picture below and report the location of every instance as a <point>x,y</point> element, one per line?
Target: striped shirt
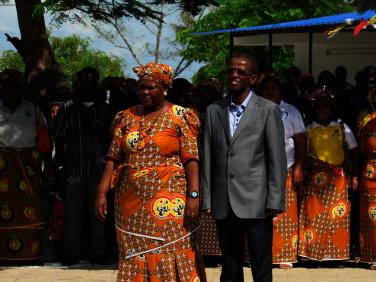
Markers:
<point>85,133</point>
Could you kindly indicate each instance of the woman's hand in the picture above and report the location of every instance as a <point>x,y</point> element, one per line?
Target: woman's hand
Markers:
<point>103,186</point>
<point>192,207</point>
<point>101,205</point>
<point>298,175</point>
<point>192,173</point>
<point>354,183</point>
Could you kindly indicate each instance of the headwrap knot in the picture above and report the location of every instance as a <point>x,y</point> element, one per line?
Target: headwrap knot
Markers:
<point>160,73</point>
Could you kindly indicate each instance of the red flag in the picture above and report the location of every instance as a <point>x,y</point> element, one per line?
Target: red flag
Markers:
<point>359,27</point>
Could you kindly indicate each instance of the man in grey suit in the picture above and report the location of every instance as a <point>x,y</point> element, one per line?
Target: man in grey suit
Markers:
<point>244,172</point>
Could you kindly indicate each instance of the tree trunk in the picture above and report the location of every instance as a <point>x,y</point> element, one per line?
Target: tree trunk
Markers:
<point>159,36</point>
<point>42,71</point>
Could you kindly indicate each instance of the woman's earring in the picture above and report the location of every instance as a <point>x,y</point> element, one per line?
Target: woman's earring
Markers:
<point>165,93</point>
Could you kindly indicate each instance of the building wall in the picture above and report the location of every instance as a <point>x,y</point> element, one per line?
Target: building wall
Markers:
<point>343,49</point>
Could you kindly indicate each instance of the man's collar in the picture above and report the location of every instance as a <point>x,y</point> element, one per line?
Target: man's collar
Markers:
<point>2,105</point>
<point>245,102</point>
<point>316,124</point>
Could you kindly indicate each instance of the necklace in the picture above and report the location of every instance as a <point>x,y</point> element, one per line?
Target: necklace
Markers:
<point>144,132</point>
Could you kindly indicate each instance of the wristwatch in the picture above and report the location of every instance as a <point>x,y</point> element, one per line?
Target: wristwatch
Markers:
<point>194,194</point>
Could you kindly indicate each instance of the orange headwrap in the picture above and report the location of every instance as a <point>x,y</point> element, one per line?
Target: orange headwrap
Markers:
<point>160,73</point>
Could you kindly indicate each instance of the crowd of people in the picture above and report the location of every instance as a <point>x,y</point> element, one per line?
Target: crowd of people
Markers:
<point>120,160</point>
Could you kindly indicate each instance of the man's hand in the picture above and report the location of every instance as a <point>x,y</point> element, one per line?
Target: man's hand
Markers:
<point>101,206</point>
<point>208,211</point>
<point>61,178</point>
<point>297,176</point>
<point>192,206</point>
<point>56,195</point>
<point>271,213</point>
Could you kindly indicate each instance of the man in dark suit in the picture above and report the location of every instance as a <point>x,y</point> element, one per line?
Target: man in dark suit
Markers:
<point>244,171</point>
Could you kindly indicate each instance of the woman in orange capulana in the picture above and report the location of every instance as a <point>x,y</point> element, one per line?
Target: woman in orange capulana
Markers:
<point>285,225</point>
<point>324,220</point>
<point>367,136</point>
<point>154,151</point>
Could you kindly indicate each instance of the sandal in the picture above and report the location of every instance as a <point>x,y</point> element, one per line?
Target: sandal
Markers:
<point>372,266</point>
<point>285,265</point>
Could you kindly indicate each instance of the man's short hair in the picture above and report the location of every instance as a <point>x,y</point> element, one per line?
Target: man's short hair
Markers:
<point>90,70</point>
<point>250,59</point>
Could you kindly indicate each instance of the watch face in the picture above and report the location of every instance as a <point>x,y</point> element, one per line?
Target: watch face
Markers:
<point>194,194</point>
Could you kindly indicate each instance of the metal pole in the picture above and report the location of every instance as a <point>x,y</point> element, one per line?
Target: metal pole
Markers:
<point>231,45</point>
<point>310,53</point>
<point>270,49</point>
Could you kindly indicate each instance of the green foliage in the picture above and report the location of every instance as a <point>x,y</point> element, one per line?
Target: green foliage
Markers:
<point>72,53</point>
<point>214,49</point>
<point>282,59</point>
<point>10,59</point>
<point>363,5</point>
<point>109,10</point>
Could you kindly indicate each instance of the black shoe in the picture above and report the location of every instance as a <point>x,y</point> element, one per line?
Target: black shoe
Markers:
<point>69,260</point>
<point>354,252</point>
<point>100,259</point>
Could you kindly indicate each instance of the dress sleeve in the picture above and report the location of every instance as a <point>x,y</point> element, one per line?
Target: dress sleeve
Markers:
<point>297,121</point>
<point>116,122</point>
<point>188,139</point>
<point>115,151</point>
<point>350,139</point>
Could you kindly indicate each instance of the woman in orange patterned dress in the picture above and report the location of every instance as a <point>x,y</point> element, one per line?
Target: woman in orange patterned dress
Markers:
<point>157,196</point>
<point>21,192</point>
<point>285,225</point>
<point>367,135</point>
<point>324,220</point>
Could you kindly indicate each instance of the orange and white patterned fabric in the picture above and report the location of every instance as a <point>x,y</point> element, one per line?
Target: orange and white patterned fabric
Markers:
<point>161,73</point>
<point>21,218</point>
<point>285,227</point>
<point>368,190</point>
<point>324,220</point>
<point>154,239</point>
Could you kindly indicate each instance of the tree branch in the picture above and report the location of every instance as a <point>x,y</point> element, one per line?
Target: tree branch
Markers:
<point>149,29</point>
<point>179,69</point>
<point>125,40</point>
<point>17,43</point>
<point>109,39</point>
<point>159,35</point>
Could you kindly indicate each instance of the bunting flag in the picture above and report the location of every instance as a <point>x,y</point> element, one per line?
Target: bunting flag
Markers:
<point>362,24</point>
<point>358,28</point>
<point>372,20</point>
<point>331,33</point>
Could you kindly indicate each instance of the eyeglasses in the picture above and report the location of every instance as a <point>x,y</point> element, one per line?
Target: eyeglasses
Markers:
<point>239,72</point>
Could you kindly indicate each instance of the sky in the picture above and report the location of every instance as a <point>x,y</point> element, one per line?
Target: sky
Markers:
<point>140,36</point>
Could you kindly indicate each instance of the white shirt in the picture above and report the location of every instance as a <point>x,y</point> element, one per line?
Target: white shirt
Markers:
<point>236,112</point>
<point>293,124</point>
<point>350,139</point>
<point>18,129</point>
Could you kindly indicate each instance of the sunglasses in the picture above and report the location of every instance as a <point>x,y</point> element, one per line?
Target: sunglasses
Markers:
<point>239,72</point>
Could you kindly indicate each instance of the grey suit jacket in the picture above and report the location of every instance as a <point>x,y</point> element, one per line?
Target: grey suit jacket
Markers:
<point>246,172</point>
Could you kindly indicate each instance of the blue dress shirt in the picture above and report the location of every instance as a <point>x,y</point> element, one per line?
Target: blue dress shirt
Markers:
<point>236,112</point>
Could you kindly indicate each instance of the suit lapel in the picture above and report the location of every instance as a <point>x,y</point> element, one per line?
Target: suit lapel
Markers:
<point>249,113</point>
<point>224,118</point>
